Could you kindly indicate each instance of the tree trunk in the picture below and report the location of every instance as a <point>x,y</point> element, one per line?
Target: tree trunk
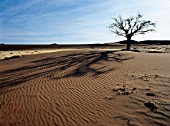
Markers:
<point>128,43</point>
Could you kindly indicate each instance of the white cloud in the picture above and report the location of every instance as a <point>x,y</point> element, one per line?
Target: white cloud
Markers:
<point>78,21</point>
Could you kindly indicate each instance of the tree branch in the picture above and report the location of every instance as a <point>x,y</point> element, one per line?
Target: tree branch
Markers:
<point>131,26</point>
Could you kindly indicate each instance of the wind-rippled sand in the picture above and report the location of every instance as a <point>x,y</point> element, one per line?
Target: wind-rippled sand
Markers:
<point>85,88</point>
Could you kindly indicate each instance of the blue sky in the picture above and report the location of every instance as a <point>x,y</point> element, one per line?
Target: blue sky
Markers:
<point>76,21</point>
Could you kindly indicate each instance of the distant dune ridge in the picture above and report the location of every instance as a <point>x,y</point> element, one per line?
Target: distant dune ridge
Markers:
<point>59,46</point>
<point>52,46</point>
<point>86,87</point>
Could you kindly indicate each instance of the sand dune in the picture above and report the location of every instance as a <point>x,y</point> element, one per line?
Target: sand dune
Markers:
<point>85,88</point>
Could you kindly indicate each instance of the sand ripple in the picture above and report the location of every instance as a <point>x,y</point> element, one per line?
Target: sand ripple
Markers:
<point>85,88</point>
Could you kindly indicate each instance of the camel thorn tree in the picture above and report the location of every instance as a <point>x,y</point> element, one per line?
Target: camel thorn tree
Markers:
<point>130,27</point>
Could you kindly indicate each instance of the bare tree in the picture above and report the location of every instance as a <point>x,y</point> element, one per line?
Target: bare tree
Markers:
<point>130,27</point>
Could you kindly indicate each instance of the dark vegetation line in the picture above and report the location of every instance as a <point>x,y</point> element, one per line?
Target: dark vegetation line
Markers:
<point>6,47</point>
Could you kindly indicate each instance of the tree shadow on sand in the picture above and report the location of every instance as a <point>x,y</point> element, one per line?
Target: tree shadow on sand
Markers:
<point>58,67</point>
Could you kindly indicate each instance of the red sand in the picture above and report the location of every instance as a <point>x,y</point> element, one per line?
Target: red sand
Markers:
<point>85,88</point>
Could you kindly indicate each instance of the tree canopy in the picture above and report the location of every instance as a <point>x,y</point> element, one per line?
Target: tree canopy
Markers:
<point>131,26</point>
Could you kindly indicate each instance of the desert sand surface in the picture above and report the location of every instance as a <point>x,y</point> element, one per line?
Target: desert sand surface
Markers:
<point>14,53</point>
<point>11,54</point>
<point>86,88</point>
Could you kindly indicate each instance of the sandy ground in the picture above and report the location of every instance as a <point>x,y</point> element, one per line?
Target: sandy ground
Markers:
<point>86,88</point>
<point>19,53</point>
<point>153,48</point>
